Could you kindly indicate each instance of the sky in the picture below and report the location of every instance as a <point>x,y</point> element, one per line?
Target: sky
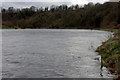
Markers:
<point>46,3</point>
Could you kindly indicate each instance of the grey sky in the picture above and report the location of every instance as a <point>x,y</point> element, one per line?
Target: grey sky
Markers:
<point>44,3</point>
<point>114,0</point>
<point>29,4</point>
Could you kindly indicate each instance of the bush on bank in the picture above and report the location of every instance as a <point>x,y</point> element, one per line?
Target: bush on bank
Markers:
<point>110,51</point>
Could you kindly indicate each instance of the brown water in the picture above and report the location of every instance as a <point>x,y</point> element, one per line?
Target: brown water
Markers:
<point>43,53</point>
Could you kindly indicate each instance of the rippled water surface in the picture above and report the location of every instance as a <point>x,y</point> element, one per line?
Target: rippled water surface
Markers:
<point>42,53</point>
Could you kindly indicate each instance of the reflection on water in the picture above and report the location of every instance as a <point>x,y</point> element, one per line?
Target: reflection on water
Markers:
<point>52,53</point>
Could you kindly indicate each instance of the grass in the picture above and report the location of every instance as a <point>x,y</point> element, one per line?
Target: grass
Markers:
<point>112,30</point>
<point>110,51</point>
<point>8,27</point>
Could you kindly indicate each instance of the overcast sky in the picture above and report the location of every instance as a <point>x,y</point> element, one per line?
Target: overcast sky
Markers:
<point>48,3</point>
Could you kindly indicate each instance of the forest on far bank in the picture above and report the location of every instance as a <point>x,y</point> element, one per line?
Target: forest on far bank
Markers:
<point>63,17</point>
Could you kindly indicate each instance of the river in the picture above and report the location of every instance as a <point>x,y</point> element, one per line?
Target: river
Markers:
<point>52,53</point>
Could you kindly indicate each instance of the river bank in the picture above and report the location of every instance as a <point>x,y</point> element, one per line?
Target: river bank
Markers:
<point>110,52</point>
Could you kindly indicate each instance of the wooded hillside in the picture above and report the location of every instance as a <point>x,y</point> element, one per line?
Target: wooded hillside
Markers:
<point>89,16</point>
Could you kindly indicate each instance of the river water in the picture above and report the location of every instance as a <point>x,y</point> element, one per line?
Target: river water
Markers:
<point>51,53</point>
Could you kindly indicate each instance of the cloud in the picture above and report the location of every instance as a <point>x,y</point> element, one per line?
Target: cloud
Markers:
<point>36,0</point>
<point>29,4</point>
<point>53,0</point>
<point>44,3</point>
<point>114,0</point>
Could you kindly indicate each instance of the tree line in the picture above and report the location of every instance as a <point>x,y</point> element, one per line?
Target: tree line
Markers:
<point>88,16</point>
